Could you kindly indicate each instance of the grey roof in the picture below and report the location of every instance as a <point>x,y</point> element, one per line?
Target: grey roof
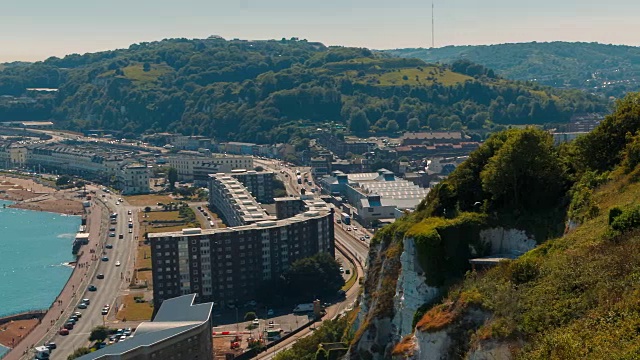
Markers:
<point>175,316</point>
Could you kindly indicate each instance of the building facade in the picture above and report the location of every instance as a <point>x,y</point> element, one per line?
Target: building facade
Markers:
<point>259,183</point>
<point>232,264</point>
<point>134,179</point>
<point>197,167</point>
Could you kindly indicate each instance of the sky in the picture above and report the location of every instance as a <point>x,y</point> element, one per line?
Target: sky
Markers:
<point>34,30</point>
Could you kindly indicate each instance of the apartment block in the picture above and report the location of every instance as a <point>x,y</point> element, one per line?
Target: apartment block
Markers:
<point>134,179</point>
<point>231,265</point>
<point>233,202</point>
<point>259,183</point>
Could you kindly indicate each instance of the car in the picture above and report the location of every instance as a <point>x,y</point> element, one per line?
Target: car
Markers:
<point>113,338</point>
<point>127,332</point>
<point>71,321</point>
<point>339,221</point>
<point>82,306</point>
<point>355,228</point>
<point>367,236</point>
<point>63,331</point>
<point>75,318</point>
<point>112,234</point>
<point>120,199</point>
<point>51,345</point>
<point>348,228</point>
<point>119,332</point>
<point>104,258</point>
<point>256,322</point>
<point>347,271</point>
<point>92,288</point>
<point>362,238</point>
<point>68,326</point>
<point>270,312</point>
<point>117,202</point>
<point>109,246</point>
<point>105,311</point>
<point>86,301</point>
<point>341,270</point>
<point>117,263</point>
<point>130,225</point>
<point>271,324</point>
<point>129,212</point>
<point>78,314</point>
<point>130,231</point>
<point>100,276</point>
<point>123,338</point>
<point>121,236</point>
<point>113,228</point>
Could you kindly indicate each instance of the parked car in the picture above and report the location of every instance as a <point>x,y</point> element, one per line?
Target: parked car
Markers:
<point>71,321</point>
<point>105,311</point>
<point>68,326</point>
<point>129,212</point>
<point>63,331</point>
<point>51,345</point>
<point>109,246</point>
<point>112,234</point>
<point>104,258</point>
<point>117,263</point>
<point>78,314</point>
<point>92,288</point>
<point>86,301</point>
<point>130,231</point>
<point>256,322</point>
<point>100,276</point>
<point>82,306</point>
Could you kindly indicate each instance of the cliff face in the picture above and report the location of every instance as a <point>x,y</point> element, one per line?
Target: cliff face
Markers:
<point>387,321</point>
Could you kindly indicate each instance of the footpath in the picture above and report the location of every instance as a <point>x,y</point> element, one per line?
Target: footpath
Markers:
<point>53,320</point>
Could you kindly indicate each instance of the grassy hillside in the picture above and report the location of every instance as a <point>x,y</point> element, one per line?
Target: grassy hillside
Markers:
<point>269,91</point>
<point>610,70</point>
<point>573,297</point>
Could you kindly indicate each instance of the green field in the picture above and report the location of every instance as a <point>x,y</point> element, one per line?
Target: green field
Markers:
<point>425,76</point>
<point>137,74</point>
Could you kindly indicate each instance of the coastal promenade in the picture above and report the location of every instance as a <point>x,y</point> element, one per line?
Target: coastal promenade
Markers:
<point>68,297</point>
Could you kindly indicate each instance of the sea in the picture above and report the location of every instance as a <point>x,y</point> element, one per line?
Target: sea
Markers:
<point>35,251</point>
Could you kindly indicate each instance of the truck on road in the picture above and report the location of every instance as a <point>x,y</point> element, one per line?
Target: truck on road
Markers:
<point>346,219</point>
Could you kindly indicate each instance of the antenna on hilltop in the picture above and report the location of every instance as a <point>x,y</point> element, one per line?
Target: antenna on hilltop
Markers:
<point>433,26</point>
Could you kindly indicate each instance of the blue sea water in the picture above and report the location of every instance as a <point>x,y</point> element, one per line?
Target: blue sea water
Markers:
<point>34,246</point>
<point>3,350</point>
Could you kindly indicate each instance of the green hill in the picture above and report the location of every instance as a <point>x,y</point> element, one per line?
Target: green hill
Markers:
<point>610,70</point>
<point>575,296</point>
<point>270,91</point>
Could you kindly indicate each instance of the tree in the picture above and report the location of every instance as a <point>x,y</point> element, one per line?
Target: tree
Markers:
<point>314,276</point>
<point>258,168</point>
<point>99,333</point>
<point>172,177</point>
<point>146,67</point>
<point>79,352</point>
<point>413,124</point>
<point>392,126</point>
<point>525,173</point>
<point>147,209</point>
<point>63,180</point>
<point>250,316</point>
<point>358,122</point>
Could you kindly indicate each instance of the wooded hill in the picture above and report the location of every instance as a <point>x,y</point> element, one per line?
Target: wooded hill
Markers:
<point>274,91</point>
<point>608,70</point>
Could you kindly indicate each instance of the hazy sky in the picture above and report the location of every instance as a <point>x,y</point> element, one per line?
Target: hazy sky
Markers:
<point>37,29</point>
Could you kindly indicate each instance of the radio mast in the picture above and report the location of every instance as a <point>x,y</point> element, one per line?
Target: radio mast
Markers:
<point>433,35</point>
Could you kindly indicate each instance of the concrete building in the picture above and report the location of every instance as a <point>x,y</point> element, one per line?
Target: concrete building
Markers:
<point>240,148</point>
<point>134,179</point>
<point>374,196</point>
<point>233,264</point>
<point>259,183</point>
<point>194,166</point>
<point>180,330</point>
<point>233,202</point>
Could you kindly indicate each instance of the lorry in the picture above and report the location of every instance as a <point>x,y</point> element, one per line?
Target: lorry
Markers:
<point>346,219</point>
<point>302,308</point>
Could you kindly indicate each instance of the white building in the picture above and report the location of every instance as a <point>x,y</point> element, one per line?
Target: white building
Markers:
<point>134,179</point>
<point>192,166</point>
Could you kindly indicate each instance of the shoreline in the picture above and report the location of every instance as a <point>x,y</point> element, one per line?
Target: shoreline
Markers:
<point>28,194</point>
<point>67,298</point>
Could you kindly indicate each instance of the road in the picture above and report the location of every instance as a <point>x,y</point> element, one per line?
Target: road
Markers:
<point>108,288</point>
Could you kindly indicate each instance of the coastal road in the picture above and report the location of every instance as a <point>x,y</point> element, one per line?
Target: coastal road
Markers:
<point>110,287</point>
